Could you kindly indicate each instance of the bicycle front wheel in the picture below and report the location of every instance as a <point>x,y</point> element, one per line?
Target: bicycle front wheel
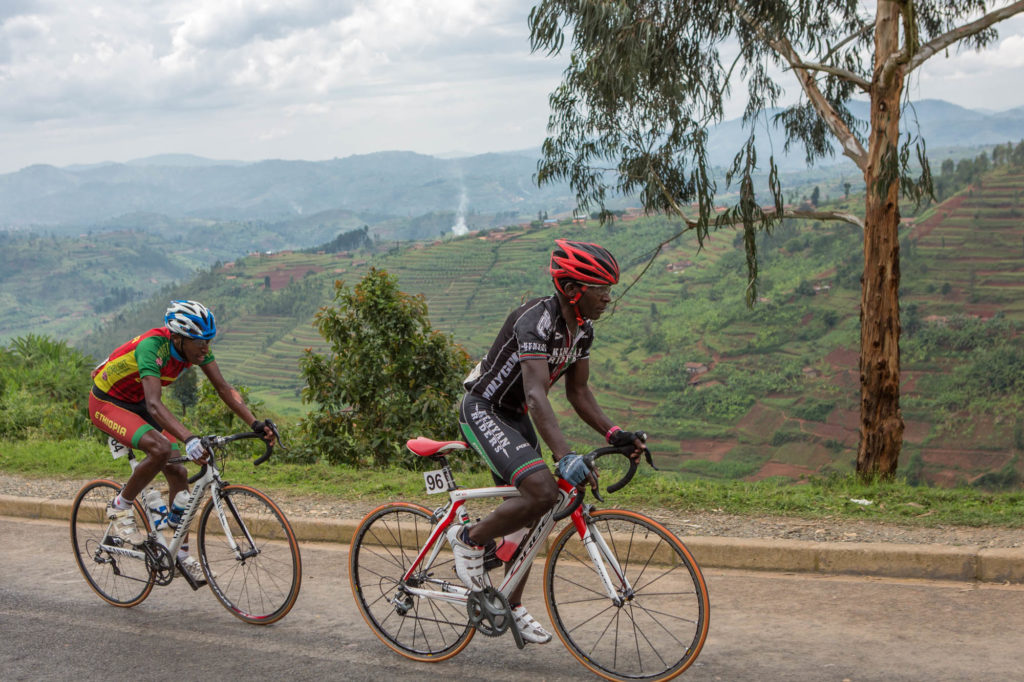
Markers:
<point>119,580</point>
<point>255,569</point>
<point>656,624</point>
<point>383,548</point>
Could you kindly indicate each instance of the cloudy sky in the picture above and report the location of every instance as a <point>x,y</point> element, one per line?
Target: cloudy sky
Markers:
<point>83,81</point>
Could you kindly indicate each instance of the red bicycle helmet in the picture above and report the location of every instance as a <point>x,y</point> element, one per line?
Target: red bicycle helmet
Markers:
<point>582,262</point>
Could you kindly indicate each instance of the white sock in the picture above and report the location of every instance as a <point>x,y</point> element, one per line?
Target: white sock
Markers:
<point>121,503</point>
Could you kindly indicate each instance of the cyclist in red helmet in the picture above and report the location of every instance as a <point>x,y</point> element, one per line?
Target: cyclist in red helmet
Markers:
<point>506,406</point>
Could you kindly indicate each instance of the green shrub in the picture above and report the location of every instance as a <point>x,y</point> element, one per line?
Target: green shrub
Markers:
<point>811,409</point>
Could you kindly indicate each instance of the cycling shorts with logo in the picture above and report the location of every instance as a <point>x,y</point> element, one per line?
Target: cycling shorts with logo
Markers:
<point>126,422</point>
<point>505,440</point>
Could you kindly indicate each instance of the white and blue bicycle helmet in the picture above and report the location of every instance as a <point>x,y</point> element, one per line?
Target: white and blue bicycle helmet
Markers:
<point>191,319</point>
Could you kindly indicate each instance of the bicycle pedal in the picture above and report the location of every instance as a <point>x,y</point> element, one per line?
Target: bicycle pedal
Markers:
<point>516,635</point>
<point>192,582</point>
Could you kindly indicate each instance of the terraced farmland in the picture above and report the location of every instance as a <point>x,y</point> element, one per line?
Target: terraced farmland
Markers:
<point>725,390</point>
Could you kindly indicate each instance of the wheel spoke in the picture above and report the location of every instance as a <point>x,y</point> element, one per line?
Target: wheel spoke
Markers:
<point>121,581</point>
<point>660,625</point>
<point>262,587</point>
<point>383,548</point>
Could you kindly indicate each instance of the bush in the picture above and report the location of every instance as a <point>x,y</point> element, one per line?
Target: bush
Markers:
<point>389,376</point>
<point>44,388</point>
<point>811,409</point>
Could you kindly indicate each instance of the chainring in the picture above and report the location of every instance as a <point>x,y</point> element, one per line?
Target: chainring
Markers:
<point>489,612</point>
<point>158,562</point>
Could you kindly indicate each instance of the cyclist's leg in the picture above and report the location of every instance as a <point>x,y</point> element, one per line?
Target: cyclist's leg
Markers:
<point>133,426</point>
<point>158,451</point>
<point>509,446</point>
<point>176,474</point>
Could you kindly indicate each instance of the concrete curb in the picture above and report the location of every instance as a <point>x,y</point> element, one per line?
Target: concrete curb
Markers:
<point>939,562</point>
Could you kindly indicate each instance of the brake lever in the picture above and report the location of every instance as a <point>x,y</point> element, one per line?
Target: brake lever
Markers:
<point>277,434</point>
<point>650,461</point>
<point>642,435</point>
<point>589,461</point>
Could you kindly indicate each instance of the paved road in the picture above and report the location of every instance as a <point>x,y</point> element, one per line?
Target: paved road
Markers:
<point>764,626</point>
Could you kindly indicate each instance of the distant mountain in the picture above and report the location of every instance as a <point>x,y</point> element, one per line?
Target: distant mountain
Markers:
<point>388,185</point>
<point>941,124</point>
<point>182,161</point>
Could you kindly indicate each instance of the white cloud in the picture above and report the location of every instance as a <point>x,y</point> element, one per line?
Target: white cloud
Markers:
<point>251,79</point>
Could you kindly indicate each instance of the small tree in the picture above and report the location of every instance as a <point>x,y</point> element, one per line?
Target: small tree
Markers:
<point>211,416</point>
<point>389,375</point>
<point>185,389</point>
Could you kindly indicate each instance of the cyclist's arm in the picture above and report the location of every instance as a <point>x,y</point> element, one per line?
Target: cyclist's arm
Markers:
<point>153,390</point>
<point>231,397</point>
<point>582,399</point>
<point>535,386</point>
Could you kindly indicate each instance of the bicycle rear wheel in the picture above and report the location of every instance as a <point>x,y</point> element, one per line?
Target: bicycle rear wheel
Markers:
<point>383,548</point>
<point>259,585</point>
<point>119,580</point>
<point>659,625</point>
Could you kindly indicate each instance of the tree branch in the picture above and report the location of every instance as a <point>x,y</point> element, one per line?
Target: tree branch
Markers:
<point>851,145</point>
<point>863,83</point>
<point>689,224</point>
<point>864,30</point>
<point>936,45</point>
<point>822,215</point>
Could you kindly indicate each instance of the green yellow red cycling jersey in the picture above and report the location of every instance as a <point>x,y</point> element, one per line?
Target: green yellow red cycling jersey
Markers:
<point>148,354</point>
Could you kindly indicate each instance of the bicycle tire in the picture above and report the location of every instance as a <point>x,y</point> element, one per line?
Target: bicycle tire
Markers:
<point>659,629</point>
<point>383,547</point>
<point>119,580</point>
<point>261,587</point>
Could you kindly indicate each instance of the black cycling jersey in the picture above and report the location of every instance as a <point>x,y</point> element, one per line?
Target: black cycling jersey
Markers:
<point>536,329</point>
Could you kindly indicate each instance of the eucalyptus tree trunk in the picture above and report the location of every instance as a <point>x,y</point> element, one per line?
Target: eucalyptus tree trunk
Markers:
<point>881,423</point>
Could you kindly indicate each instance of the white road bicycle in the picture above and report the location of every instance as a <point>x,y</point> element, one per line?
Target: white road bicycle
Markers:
<point>246,546</point>
<point>623,593</point>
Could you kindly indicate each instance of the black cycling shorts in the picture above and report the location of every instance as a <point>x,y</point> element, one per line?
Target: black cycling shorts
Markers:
<point>505,440</point>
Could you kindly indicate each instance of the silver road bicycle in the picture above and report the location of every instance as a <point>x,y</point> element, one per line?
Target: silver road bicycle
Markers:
<point>246,546</point>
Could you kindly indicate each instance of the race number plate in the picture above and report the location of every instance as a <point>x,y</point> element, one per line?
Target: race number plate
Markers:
<point>439,481</point>
<point>116,449</point>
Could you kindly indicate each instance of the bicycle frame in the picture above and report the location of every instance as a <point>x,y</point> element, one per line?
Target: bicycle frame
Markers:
<point>515,572</point>
<point>209,479</point>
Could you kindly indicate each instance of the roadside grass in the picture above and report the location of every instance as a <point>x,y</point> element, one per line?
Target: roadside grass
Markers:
<point>812,498</point>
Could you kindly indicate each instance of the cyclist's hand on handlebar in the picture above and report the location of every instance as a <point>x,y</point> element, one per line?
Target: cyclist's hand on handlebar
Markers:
<point>195,451</point>
<point>638,439</point>
<point>575,471</point>
<point>261,426</point>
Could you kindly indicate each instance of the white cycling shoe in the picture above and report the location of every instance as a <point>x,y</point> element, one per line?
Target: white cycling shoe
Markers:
<point>194,568</point>
<point>529,628</point>
<point>123,525</point>
<point>469,560</point>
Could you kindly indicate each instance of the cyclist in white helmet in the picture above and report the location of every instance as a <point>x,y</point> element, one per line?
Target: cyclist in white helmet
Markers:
<point>126,404</point>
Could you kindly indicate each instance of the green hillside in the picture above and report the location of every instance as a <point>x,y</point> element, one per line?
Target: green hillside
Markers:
<point>725,390</point>
<point>57,286</point>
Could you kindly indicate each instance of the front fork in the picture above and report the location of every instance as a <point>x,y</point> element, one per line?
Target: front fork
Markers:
<point>602,557</point>
<point>224,506</point>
